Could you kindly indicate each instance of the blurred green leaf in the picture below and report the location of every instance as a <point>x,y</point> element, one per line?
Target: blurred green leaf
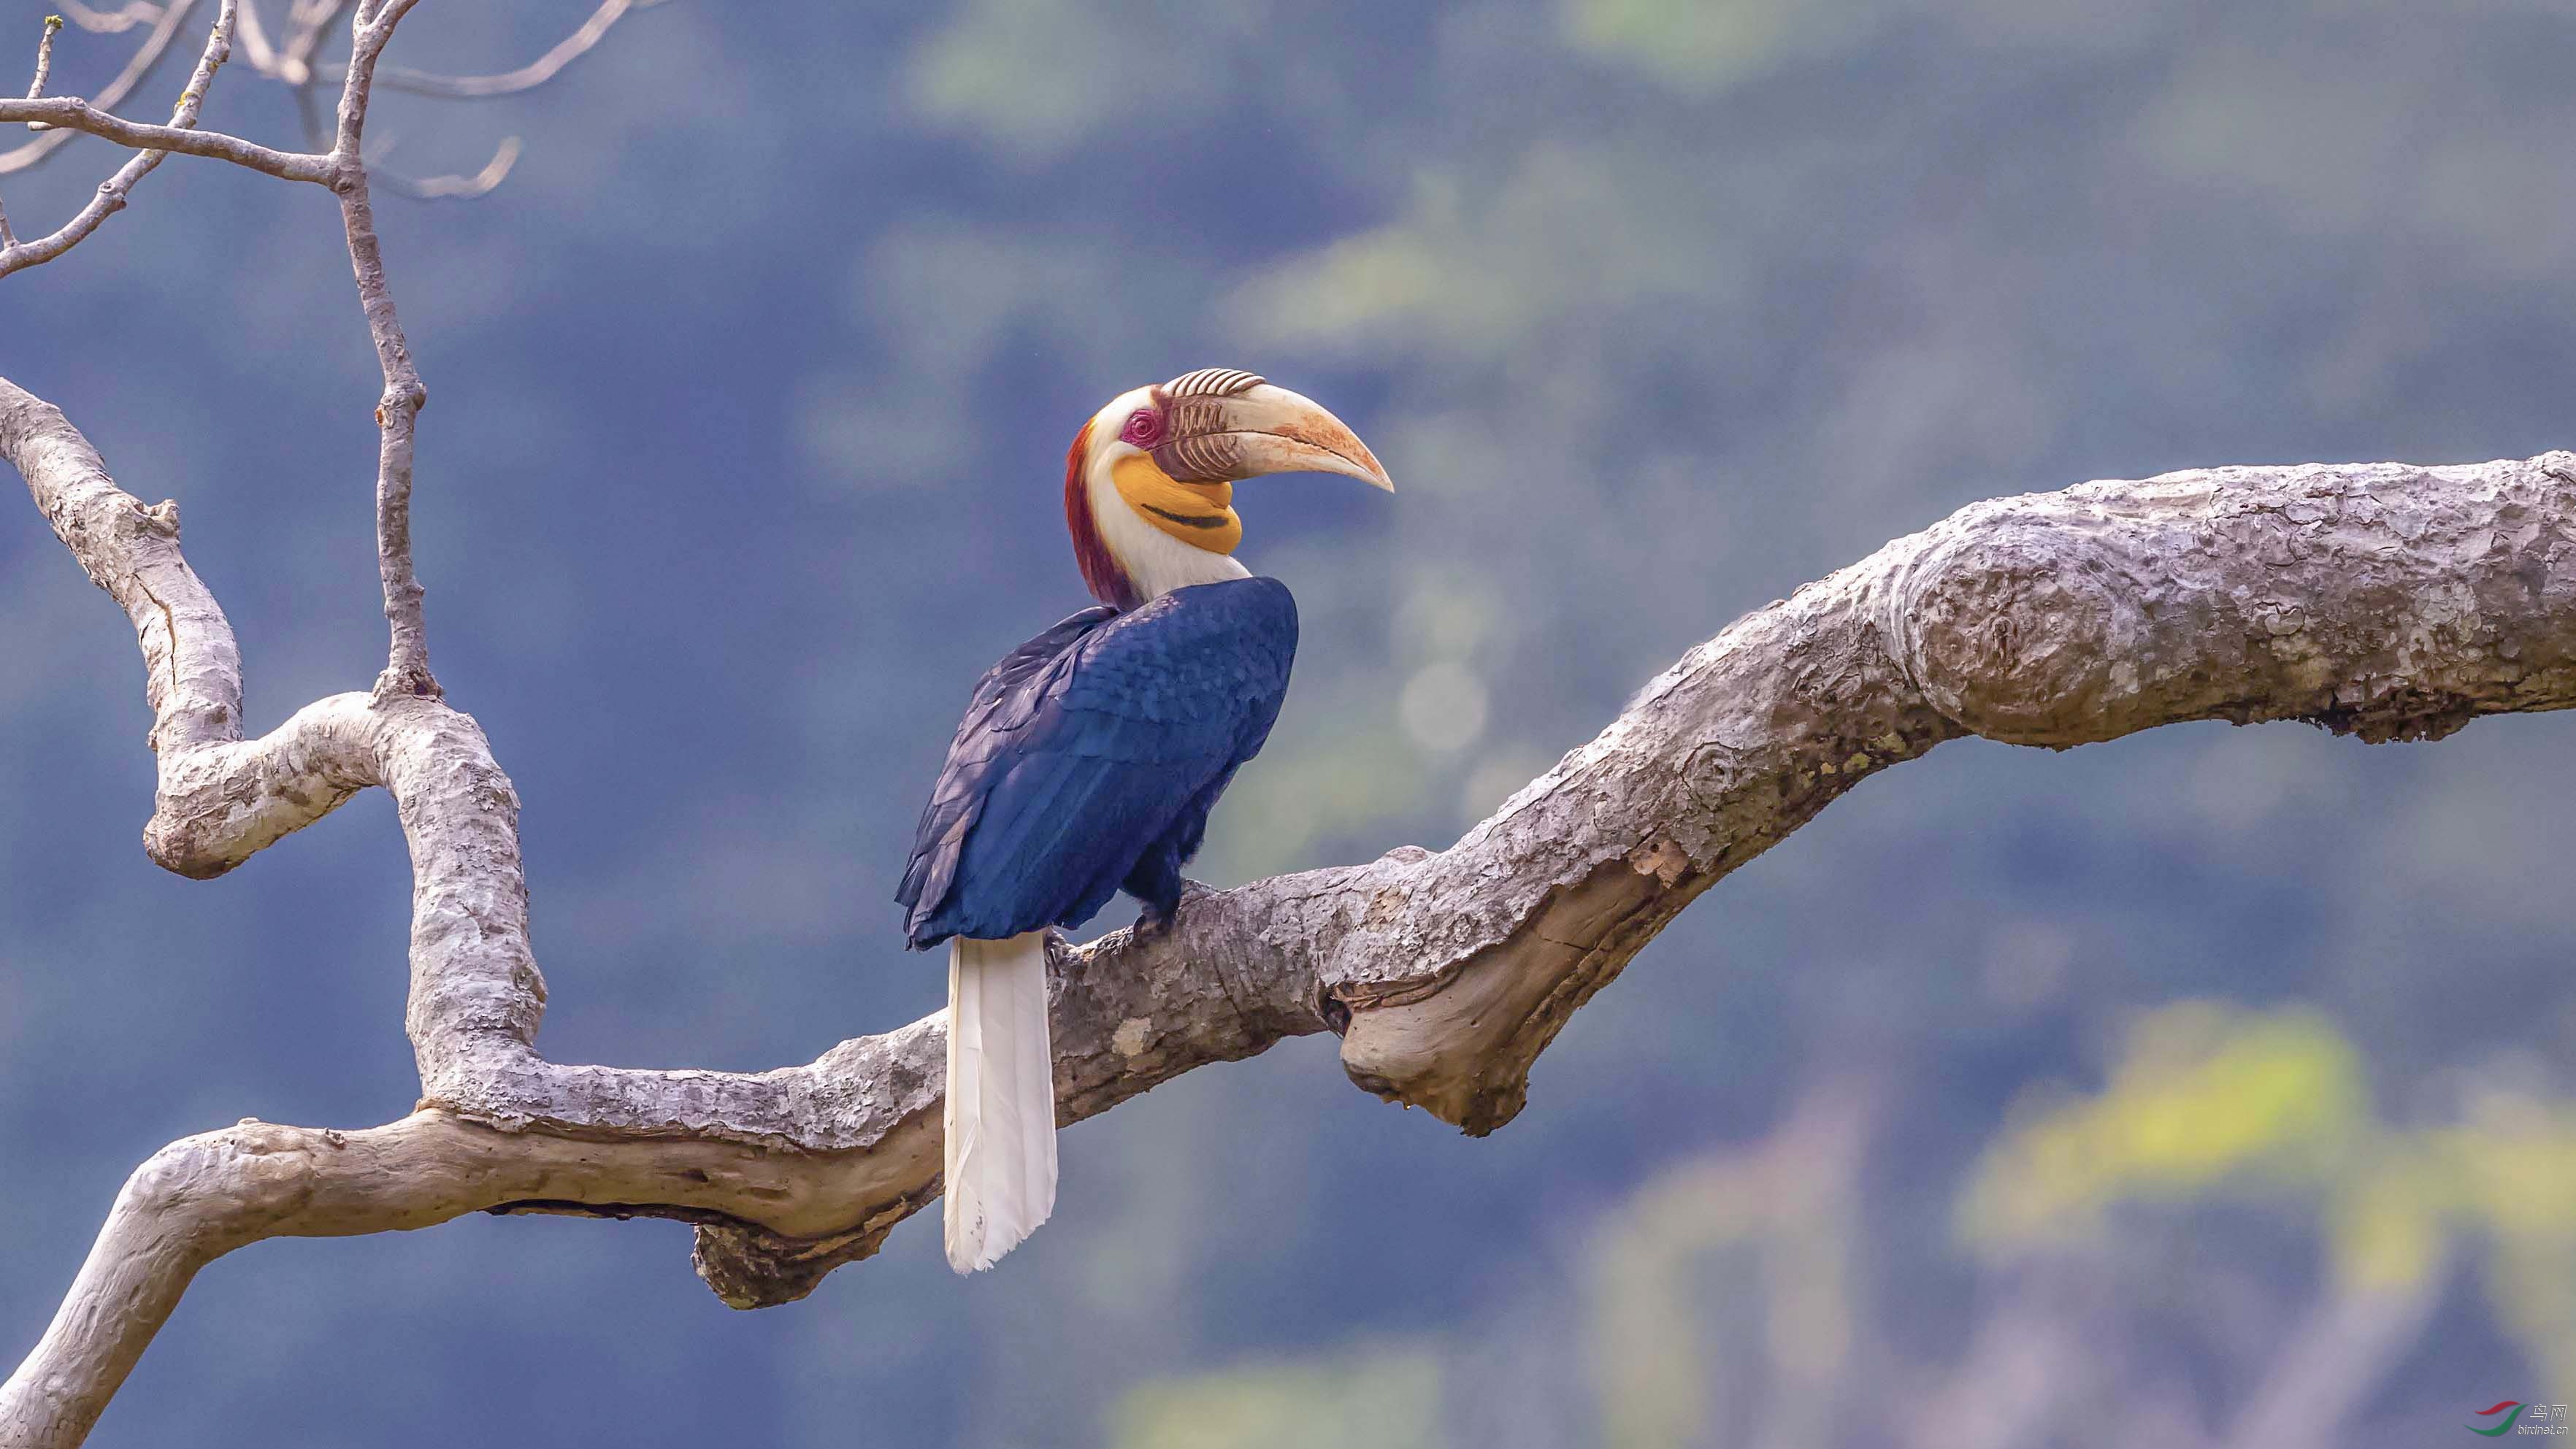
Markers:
<point>1381,1397</point>
<point>2204,1094</point>
<point>1701,47</point>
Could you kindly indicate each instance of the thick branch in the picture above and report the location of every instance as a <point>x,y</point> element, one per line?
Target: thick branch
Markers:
<point>2387,601</point>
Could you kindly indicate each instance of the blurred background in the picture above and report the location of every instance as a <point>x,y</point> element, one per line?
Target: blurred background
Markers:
<point>2210,1087</point>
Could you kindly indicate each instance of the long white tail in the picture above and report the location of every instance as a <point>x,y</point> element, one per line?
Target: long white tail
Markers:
<point>1001,1097</point>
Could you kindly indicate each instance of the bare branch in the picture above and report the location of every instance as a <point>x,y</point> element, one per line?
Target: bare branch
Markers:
<point>113,22</point>
<point>528,77</point>
<point>407,663</point>
<point>111,194</point>
<point>254,38</point>
<point>155,46</point>
<point>458,188</point>
<point>74,113</point>
<point>35,88</point>
<point>308,22</point>
<point>44,56</point>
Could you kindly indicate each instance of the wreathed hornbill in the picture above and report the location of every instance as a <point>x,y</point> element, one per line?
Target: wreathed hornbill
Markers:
<point>1090,756</point>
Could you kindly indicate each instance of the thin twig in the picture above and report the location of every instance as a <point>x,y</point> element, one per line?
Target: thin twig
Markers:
<point>527,77</point>
<point>113,22</point>
<point>458,188</point>
<point>155,46</point>
<point>111,194</point>
<point>308,21</point>
<point>35,88</point>
<point>407,661</point>
<point>44,56</point>
<point>254,38</point>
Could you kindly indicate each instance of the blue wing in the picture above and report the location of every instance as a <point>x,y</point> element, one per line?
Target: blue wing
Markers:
<point>1092,754</point>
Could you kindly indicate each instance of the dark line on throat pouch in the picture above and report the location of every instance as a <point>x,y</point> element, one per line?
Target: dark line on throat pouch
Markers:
<point>1185,520</point>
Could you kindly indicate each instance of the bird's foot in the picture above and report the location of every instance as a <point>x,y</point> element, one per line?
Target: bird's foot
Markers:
<point>1151,924</point>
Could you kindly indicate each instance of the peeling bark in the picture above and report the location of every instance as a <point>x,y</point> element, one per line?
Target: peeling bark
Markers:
<point>2383,601</point>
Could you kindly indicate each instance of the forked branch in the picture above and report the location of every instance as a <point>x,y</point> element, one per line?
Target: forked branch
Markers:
<point>110,198</point>
<point>291,62</point>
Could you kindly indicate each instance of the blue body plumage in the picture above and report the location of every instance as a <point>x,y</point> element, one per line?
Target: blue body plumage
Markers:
<point>1090,756</point>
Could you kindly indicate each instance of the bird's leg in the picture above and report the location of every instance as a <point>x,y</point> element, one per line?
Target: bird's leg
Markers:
<point>1156,882</point>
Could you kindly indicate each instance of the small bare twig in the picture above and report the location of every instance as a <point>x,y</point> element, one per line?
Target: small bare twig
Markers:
<point>308,22</point>
<point>457,188</point>
<point>290,62</point>
<point>113,22</point>
<point>155,46</point>
<point>44,57</point>
<point>527,77</point>
<point>111,195</point>
<point>254,38</point>
<point>35,88</point>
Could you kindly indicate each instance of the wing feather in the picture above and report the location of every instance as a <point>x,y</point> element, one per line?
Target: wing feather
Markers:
<point>1085,746</point>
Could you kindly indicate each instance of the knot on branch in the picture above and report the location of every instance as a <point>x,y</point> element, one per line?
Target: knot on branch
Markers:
<point>749,1266</point>
<point>406,682</point>
<point>2023,630</point>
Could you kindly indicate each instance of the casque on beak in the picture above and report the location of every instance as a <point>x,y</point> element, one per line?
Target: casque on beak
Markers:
<point>1223,426</point>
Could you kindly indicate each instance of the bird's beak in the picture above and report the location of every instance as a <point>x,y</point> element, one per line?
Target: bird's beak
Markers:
<point>1261,429</point>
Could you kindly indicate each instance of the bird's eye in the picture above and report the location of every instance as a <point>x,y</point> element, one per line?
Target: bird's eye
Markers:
<point>1144,428</point>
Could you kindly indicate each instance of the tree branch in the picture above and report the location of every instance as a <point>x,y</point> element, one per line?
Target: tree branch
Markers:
<point>113,22</point>
<point>111,195</point>
<point>44,56</point>
<point>2385,601</point>
<point>75,114</point>
<point>308,23</point>
<point>407,663</point>
<point>145,60</point>
<point>459,188</point>
<point>527,77</point>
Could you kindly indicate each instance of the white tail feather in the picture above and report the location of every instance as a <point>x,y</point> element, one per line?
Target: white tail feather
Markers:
<point>1001,1097</point>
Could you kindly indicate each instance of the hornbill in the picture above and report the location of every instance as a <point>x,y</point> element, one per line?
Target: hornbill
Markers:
<point>1090,756</point>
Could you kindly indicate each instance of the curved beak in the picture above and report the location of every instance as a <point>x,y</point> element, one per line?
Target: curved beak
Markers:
<point>1260,429</point>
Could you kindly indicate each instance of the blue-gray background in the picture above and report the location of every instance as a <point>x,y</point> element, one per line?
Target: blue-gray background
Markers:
<point>749,394</point>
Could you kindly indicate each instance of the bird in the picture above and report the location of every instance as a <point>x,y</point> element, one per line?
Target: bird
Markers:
<point>1090,756</point>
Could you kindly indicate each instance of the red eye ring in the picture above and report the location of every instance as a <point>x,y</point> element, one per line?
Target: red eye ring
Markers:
<point>1143,428</point>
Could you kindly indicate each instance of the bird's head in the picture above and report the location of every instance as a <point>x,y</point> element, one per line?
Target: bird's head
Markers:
<point>1149,484</point>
